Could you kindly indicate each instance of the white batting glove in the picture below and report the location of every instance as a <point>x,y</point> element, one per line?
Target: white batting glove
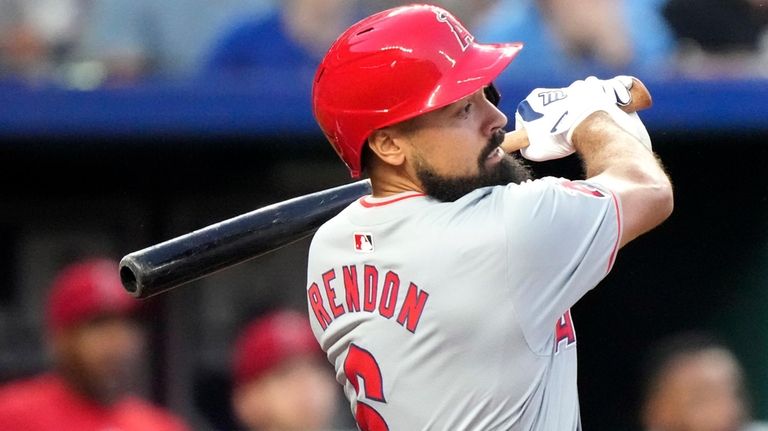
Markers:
<point>550,115</point>
<point>619,86</point>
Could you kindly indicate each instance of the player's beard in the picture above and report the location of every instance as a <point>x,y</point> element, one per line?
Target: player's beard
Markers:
<point>448,189</point>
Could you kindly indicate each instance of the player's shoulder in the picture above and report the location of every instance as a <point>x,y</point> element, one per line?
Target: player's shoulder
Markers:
<point>538,200</point>
<point>152,414</point>
<point>332,224</point>
<point>27,394</point>
<point>553,186</point>
<point>37,384</point>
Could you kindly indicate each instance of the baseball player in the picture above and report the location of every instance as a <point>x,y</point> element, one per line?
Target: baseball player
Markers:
<point>443,298</point>
<point>95,342</point>
<point>693,381</point>
<point>277,370</point>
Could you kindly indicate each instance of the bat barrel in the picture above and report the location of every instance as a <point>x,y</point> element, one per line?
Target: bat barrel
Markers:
<point>197,254</point>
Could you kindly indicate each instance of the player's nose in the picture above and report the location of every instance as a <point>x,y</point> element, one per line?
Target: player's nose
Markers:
<point>496,119</point>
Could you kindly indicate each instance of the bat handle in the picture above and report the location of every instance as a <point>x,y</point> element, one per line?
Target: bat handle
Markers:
<point>641,99</point>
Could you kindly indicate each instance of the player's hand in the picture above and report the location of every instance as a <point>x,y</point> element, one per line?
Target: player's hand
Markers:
<point>619,86</point>
<point>549,115</point>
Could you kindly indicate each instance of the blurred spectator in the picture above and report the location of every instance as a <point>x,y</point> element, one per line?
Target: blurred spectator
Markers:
<point>720,38</point>
<point>38,36</point>
<point>286,45</point>
<point>96,348</point>
<point>599,37</point>
<point>695,383</point>
<point>135,39</point>
<point>281,379</point>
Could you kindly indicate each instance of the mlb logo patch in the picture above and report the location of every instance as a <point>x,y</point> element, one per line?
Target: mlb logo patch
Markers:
<point>363,242</point>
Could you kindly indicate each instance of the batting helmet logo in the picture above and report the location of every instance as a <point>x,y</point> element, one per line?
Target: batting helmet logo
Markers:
<point>462,34</point>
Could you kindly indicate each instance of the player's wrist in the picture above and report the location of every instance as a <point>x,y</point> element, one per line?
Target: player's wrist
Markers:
<point>591,129</point>
<point>585,98</point>
<point>609,121</point>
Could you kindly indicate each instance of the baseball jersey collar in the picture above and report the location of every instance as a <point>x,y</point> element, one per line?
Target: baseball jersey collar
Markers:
<point>372,202</point>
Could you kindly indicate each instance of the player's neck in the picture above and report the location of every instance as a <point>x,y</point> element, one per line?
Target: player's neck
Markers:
<point>388,181</point>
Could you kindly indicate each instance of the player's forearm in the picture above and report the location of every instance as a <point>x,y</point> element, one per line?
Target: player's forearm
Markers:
<point>603,145</point>
<point>619,161</point>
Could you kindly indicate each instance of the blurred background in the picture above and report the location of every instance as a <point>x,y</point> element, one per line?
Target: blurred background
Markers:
<point>124,123</point>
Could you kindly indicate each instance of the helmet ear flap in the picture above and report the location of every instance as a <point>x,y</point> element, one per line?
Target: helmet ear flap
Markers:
<point>492,94</point>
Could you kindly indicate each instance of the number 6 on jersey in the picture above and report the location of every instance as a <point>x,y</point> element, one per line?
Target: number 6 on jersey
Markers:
<point>360,364</point>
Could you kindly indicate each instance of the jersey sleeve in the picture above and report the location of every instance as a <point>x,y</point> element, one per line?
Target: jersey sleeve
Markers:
<point>562,239</point>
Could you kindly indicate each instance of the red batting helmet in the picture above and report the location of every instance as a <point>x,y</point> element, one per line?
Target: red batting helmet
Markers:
<point>395,65</point>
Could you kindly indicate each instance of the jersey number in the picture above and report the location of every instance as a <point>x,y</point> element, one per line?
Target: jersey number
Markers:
<point>360,363</point>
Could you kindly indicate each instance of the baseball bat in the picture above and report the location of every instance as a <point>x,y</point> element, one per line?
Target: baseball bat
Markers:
<point>191,256</point>
<point>178,261</point>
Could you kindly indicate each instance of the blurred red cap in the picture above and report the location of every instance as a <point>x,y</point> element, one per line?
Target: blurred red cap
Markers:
<point>87,289</point>
<point>270,340</point>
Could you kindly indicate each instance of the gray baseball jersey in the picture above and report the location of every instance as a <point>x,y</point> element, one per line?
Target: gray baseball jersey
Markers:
<point>456,316</point>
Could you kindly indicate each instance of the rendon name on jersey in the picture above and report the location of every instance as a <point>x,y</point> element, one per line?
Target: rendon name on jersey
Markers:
<point>455,316</point>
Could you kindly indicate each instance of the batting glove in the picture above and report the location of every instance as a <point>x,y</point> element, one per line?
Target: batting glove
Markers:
<point>549,115</point>
<point>619,86</point>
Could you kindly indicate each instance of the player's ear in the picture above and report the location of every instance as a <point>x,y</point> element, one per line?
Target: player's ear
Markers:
<point>387,145</point>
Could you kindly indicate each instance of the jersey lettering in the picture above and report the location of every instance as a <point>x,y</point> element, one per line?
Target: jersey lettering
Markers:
<point>350,287</point>
<point>381,295</point>
<point>316,301</point>
<point>564,331</point>
<point>389,295</point>
<point>410,313</point>
<point>370,280</point>
<point>330,293</point>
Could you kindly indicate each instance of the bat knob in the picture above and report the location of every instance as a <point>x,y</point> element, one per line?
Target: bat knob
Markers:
<point>641,97</point>
<point>128,277</point>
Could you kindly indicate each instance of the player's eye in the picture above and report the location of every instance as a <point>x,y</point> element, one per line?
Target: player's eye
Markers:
<point>492,94</point>
<point>465,110</point>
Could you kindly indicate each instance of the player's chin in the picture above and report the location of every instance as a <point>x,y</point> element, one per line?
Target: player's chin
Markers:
<point>448,189</point>
<point>507,169</point>
<point>495,157</point>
